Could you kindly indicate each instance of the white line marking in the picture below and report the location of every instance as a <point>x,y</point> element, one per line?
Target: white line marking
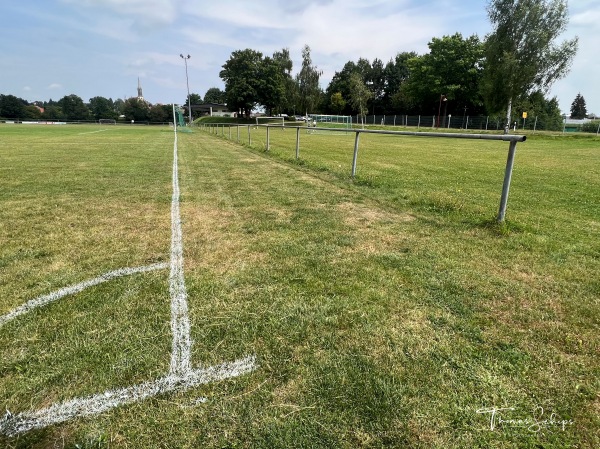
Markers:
<point>180,323</point>
<point>181,375</point>
<point>11,425</point>
<point>43,300</point>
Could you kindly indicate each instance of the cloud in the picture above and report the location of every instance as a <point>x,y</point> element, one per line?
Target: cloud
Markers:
<point>27,89</point>
<point>55,86</point>
<point>144,13</point>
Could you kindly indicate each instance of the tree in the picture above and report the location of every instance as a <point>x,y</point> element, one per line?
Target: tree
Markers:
<point>272,89</point>
<point>578,109</point>
<point>102,108</point>
<point>308,83</point>
<point>73,108</point>
<point>396,73</point>
<point>12,107</point>
<point>161,113</point>
<point>136,109</point>
<point>118,106</point>
<point>337,102</point>
<point>241,75</point>
<point>288,99</point>
<point>360,95</point>
<point>194,99</point>
<point>52,112</point>
<point>31,112</point>
<point>453,67</point>
<point>542,113</point>
<point>376,81</point>
<point>214,95</point>
<point>521,54</point>
<point>340,83</point>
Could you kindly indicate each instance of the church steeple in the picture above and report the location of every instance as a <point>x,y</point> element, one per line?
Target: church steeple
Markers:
<point>140,95</point>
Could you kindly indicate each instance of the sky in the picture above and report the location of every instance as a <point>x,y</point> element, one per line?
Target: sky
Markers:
<point>89,48</point>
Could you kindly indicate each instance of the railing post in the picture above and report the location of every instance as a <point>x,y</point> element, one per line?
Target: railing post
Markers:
<point>267,138</point>
<point>297,142</point>
<point>507,177</point>
<point>355,158</point>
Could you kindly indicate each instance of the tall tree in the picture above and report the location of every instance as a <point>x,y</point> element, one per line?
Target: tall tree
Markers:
<point>521,53</point>
<point>136,109</point>
<point>396,73</point>
<point>308,83</point>
<point>194,99</point>
<point>272,88</point>
<point>578,108</point>
<point>340,83</point>
<point>284,61</point>
<point>101,107</point>
<point>215,95</point>
<point>453,67</point>
<point>73,108</point>
<point>241,75</point>
<point>360,95</point>
<point>337,102</point>
<point>161,113</point>
<point>12,107</point>
<point>376,82</point>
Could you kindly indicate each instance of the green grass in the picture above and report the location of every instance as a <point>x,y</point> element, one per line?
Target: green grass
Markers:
<point>384,311</point>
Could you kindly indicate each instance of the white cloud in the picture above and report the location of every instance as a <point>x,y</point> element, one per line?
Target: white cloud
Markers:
<point>55,86</point>
<point>144,13</point>
<point>27,89</point>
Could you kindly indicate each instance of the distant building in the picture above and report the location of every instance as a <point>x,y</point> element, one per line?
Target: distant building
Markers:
<point>140,95</point>
<point>212,109</point>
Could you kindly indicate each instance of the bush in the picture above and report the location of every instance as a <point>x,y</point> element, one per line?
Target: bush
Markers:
<point>590,127</point>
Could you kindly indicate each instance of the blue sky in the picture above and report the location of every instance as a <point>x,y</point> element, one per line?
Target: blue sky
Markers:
<point>53,48</point>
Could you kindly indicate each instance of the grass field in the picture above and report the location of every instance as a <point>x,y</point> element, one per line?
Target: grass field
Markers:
<point>385,311</point>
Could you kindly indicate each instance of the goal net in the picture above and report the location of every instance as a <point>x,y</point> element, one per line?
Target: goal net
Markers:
<point>107,121</point>
<point>322,123</point>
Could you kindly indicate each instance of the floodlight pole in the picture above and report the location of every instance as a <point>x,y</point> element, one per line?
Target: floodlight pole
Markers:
<point>187,81</point>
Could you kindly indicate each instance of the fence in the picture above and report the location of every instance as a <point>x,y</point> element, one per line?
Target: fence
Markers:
<point>512,139</point>
<point>466,122</point>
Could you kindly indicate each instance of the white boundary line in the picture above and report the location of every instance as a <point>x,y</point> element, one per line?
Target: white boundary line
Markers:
<point>181,375</point>
<point>51,297</point>
<point>180,323</point>
<point>11,425</point>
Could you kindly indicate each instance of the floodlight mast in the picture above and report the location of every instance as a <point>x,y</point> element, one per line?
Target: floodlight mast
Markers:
<point>187,81</point>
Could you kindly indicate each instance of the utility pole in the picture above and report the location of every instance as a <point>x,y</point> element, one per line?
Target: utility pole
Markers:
<point>187,80</point>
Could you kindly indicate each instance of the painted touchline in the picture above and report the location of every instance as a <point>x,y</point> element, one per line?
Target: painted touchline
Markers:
<point>76,288</point>
<point>180,323</point>
<point>12,425</point>
<point>181,375</point>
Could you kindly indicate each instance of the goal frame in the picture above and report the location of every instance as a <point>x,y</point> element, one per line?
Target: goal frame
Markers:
<point>320,123</point>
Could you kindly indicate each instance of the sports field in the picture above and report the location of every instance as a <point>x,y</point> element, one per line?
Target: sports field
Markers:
<point>385,311</point>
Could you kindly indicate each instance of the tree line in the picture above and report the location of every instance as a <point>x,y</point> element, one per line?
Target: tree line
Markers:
<point>73,108</point>
<point>507,73</point>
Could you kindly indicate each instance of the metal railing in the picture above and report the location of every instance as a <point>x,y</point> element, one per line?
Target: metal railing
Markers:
<point>214,128</point>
